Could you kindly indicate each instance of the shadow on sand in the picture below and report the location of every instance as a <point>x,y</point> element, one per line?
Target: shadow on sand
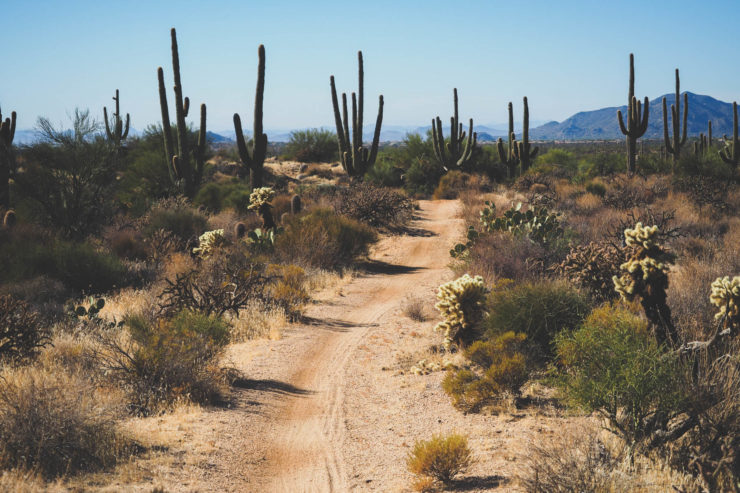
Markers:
<point>380,267</point>
<point>274,386</point>
<point>471,483</point>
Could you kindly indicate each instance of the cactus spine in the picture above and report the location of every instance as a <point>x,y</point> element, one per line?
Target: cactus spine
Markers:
<point>459,154</point>
<point>255,159</point>
<point>7,133</point>
<point>679,138</point>
<point>356,159</point>
<point>731,153</point>
<point>507,156</point>
<point>115,128</point>
<point>522,149</point>
<point>186,170</point>
<point>637,120</point>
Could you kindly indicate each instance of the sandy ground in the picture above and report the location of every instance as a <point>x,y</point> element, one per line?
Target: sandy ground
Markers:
<point>332,406</point>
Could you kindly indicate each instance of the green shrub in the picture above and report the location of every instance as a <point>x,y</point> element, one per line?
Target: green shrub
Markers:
<point>385,172</point>
<point>21,335</point>
<point>175,216</point>
<point>56,423</point>
<point>613,365</point>
<point>422,177</point>
<point>441,458</point>
<point>557,158</point>
<point>502,369</point>
<point>165,361</point>
<point>538,309</point>
<point>323,239</point>
<point>312,146</point>
<point>596,188</point>
<point>219,196</point>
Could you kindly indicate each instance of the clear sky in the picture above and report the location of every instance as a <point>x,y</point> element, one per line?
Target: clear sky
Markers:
<point>566,56</point>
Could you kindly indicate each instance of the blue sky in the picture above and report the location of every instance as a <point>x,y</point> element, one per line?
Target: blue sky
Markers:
<point>566,56</point>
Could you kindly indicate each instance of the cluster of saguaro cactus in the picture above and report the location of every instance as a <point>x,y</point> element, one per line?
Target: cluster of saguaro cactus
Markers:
<point>7,133</point>
<point>356,159</point>
<point>456,154</point>
<point>637,120</point>
<point>509,156</point>
<point>254,160</point>
<point>731,153</point>
<point>679,137</point>
<point>186,166</point>
<point>523,151</point>
<point>115,129</point>
<point>645,276</point>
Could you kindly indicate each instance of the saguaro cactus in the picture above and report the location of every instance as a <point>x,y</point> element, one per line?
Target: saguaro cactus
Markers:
<point>679,138</point>
<point>731,153</point>
<point>356,159</point>
<point>522,149</point>
<point>186,170</point>
<point>457,154</point>
<point>637,119</point>
<point>115,128</point>
<point>508,156</point>
<point>7,133</point>
<point>255,159</point>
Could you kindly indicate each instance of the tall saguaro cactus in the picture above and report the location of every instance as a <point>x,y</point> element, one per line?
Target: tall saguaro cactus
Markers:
<point>115,128</point>
<point>186,169</point>
<point>254,160</point>
<point>456,153</point>
<point>508,156</point>
<point>637,120</point>
<point>7,133</point>
<point>679,138</point>
<point>731,153</point>
<point>523,150</point>
<point>356,159</point>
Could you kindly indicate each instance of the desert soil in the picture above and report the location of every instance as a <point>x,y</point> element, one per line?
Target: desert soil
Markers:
<point>333,405</point>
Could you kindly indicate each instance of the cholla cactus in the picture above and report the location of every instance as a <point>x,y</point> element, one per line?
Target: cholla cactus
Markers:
<point>209,242</point>
<point>726,296</point>
<point>460,303</point>
<point>645,276</point>
<point>260,197</point>
<point>259,200</point>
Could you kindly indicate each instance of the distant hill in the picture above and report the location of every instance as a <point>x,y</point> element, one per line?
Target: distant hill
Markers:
<point>602,124</point>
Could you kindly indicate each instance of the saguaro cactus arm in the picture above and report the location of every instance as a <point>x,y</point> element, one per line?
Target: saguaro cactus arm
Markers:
<point>256,160</point>
<point>456,153</point>
<point>115,129</point>
<point>523,152</point>
<point>731,153</point>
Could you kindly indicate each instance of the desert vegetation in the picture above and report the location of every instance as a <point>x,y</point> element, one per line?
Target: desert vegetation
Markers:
<point>601,283</point>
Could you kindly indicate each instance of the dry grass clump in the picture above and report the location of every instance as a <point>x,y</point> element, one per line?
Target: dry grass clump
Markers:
<point>504,256</point>
<point>57,422</point>
<point>582,458</point>
<point>588,203</point>
<point>257,320</point>
<point>416,309</point>
<point>439,460</point>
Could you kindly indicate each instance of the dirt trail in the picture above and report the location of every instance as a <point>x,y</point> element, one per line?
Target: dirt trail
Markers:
<point>305,452</point>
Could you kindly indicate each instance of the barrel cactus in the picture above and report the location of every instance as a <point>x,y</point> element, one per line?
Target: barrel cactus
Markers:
<point>461,306</point>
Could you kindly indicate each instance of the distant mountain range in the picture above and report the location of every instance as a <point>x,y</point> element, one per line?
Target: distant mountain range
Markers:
<point>602,124</point>
<point>587,125</point>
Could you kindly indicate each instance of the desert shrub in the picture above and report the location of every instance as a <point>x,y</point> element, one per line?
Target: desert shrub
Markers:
<point>210,243</point>
<point>222,283</point>
<point>461,306</point>
<point>287,290</point>
<point>705,192</point>
<point>379,207</point>
<point>440,458</point>
<point>422,177</point>
<point>219,196</point>
<point>596,188</point>
<point>501,369</point>
<point>451,184</point>
<point>625,193</point>
<point>558,158</point>
<point>613,365</point>
<point>80,266</point>
<point>312,146</point>
<point>602,164</point>
<point>415,309</point>
<point>175,216</point>
<point>321,238</point>
<point>503,256</point>
<point>593,266</point>
<point>385,172</point>
<point>538,309</point>
<point>21,335</point>
<point>127,244</point>
<point>56,423</point>
<point>161,361</point>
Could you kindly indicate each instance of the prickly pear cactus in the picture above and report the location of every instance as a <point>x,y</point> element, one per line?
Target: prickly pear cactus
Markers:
<point>89,312</point>
<point>461,306</point>
<point>209,242</point>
